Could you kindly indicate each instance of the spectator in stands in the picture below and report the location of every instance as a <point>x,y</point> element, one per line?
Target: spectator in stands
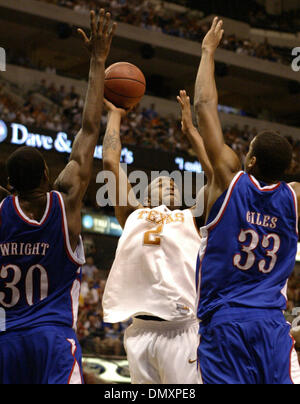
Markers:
<point>89,269</point>
<point>156,17</point>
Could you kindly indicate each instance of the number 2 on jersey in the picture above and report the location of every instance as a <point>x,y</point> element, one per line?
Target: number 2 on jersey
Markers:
<point>250,251</point>
<point>153,237</point>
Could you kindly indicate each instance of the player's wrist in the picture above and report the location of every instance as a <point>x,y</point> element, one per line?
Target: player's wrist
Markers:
<point>208,50</point>
<point>98,59</point>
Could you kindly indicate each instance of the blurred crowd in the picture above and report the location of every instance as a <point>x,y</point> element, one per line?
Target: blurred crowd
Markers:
<point>60,109</point>
<point>156,17</point>
<point>95,336</point>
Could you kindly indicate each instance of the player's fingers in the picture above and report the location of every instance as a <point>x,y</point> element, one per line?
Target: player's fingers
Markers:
<point>107,105</point>
<point>180,101</point>
<point>214,23</point>
<point>111,34</point>
<point>218,27</point>
<point>106,23</point>
<point>93,22</point>
<point>101,21</point>
<point>113,31</point>
<point>83,35</point>
<point>185,97</point>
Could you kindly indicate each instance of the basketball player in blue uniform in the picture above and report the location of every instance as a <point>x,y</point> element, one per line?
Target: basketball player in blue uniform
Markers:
<point>41,251</point>
<point>248,250</point>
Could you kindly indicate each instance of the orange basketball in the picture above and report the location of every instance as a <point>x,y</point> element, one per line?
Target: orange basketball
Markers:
<point>125,85</point>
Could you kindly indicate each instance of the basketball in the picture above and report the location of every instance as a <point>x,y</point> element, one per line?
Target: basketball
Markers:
<point>125,85</point>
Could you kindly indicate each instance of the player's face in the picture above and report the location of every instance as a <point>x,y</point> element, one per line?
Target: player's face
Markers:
<point>167,193</point>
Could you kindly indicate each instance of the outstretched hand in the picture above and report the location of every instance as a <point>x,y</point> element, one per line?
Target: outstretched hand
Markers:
<point>101,35</point>
<point>187,118</point>
<point>214,36</point>
<point>110,107</point>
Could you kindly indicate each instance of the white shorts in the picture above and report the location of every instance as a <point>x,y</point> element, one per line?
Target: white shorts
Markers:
<point>163,352</point>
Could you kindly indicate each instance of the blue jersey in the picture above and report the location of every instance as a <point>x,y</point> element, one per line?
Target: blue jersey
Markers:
<point>248,248</point>
<point>40,275</point>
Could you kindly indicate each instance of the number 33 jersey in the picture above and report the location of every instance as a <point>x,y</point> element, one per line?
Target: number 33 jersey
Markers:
<point>248,248</point>
<point>155,267</point>
<point>39,273</point>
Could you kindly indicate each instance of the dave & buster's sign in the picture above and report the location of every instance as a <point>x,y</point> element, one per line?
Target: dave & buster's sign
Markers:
<point>20,135</point>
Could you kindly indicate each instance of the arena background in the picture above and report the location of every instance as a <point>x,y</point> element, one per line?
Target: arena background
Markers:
<point>43,87</point>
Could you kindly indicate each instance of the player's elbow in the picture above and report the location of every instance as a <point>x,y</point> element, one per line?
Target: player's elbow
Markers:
<point>90,128</point>
<point>204,104</point>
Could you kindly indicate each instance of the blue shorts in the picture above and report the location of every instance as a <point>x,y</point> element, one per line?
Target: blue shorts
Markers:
<point>43,355</point>
<point>247,346</point>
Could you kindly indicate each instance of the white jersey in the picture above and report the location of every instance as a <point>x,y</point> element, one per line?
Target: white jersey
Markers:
<point>155,267</point>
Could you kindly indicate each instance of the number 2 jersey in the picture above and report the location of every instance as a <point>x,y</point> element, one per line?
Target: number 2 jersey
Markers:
<point>40,275</point>
<point>155,267</point>
<point>248,247</point>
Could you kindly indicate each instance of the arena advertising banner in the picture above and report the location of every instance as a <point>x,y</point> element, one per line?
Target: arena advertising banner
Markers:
<point>101,224</point>
<point>20,135</point>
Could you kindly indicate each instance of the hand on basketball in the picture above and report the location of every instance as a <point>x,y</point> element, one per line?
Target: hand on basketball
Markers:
<point>101,36</point>
<point>214,36</point>
<point>111,108</point>
<point>187,118</point>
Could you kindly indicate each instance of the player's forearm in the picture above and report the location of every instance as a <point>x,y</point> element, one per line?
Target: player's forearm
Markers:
<point>206,89</point>
<point>199,148</point>
<point>94,99</point>
<point>112,146</point>
<point>85,142</point>
<point>206,108</point>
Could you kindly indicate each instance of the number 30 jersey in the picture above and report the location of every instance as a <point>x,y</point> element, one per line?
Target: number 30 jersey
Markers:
<point>248,247</point>
<point>39,273</point>
<point>155,267</point>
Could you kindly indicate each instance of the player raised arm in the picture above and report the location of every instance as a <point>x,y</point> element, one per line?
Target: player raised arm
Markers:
<point>74,180</point>
<point>224,161</point>
<point>112,148</point>
<point>189,130</point>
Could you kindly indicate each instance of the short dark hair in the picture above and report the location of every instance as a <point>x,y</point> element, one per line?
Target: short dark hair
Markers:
<point>274,154</point>
<point>25,169</point>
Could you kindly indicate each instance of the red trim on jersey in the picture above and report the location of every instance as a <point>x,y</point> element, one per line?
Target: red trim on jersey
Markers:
<point>291,353</point>
<point>295,206</point>
<point>74,363</point>
<point>269,188</point>
<point>1,205</point>
<point>34,223</point>
<point>65,232</point>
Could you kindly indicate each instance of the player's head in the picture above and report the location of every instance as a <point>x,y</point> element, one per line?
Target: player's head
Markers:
<point>162,191</point>
<point>27,170</point>
<point>269,157</point>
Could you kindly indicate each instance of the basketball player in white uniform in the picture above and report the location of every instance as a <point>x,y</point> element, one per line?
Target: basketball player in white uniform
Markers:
<point>153,275</point>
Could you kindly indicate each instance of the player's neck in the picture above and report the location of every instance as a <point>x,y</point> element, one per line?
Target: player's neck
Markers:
<point>33,195</point>
<point>263,179</point>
